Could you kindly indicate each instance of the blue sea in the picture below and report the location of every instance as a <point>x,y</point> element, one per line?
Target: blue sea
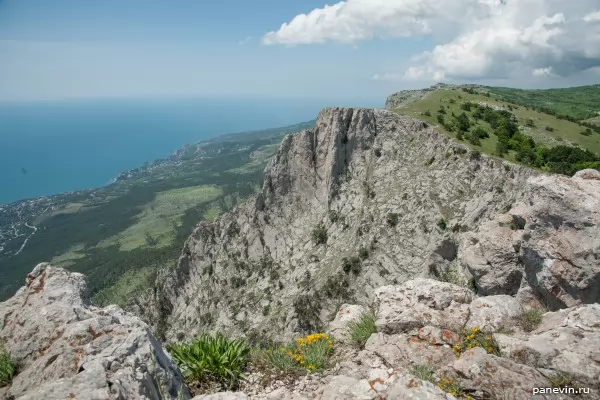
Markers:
<point>55,147</point>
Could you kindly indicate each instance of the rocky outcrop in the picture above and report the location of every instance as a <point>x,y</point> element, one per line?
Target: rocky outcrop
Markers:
<point>547,247</point>
<point>66,348</point>
<point>393,361</point>
<point>567,341</point>
<point>365,199</point>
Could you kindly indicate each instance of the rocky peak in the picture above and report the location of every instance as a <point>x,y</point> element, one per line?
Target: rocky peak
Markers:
<point>364,199</point>
<point>315,162</point>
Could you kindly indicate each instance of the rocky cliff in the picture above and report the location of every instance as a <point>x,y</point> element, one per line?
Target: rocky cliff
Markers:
<point>366,198</point>
<point>367,208</point>
<point>65,348</point>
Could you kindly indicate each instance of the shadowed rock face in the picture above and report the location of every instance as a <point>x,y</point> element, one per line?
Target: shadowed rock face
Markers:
<point>66,348</point>
<point>374,181</point>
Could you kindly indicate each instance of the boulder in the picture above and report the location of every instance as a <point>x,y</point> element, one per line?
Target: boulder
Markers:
<point>567,343</point>
<point>422,302</point>
<point>496,376</point>
<point>67,348</point>
<point>492,313</point>
<point>547,247</point>
<point>491,256</point>
<point>402,350</point>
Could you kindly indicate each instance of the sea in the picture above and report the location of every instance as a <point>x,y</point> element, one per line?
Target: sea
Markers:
<point>54,147</point>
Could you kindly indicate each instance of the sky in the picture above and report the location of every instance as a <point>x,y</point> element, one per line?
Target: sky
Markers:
<point>354,49</point>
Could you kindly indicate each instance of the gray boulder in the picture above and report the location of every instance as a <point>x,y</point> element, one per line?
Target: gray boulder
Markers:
<point>422,302</point>
<point>566,343</point>
<point>547,247</point>
<point>67,348</point>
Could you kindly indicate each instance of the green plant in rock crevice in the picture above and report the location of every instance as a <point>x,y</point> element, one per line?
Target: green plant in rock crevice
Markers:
<point>212,359</point>
<point>423,372</point>
<point>8,367</point>
<point>362,328</point>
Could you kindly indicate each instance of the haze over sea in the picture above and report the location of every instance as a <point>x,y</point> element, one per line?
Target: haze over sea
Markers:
<point>55,147</point>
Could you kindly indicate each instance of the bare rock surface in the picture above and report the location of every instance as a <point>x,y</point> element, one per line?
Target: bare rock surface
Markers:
<point>548,246</point>
<point>349,206</point>
<point>422,302</point>
<point>67,349</point>
<point>567,343</point>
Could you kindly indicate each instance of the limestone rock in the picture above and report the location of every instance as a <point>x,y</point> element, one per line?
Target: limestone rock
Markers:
<point>499,377</point>
<point>560,250</point>
<point>566,342</point>
<point>593,174</point>
<point>338,328</point>
<point>66,348</point>
<point>492,257</point>
<point>491,313</point>
<point>422,302</point>
<point>374,185</point>
<point>381,385</point>
<point>547,247</point>
<point>402,350</point>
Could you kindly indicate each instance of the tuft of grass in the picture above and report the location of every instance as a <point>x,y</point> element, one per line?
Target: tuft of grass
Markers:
<point>363,253</point>
<point>319,235</point>
<point>423,372</point>
<point>362,329</point>
<point>530,319</point>
<point>392,219</point>
<point>212,359</point>
<point>451,275</point>
<point>561,380</point>
<point>8,367</point>
<point>442,224</point>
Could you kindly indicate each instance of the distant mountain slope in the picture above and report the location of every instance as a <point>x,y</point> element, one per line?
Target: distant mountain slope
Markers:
<point>581,102</point>
<point>473,115</point>
<point>120,234</point>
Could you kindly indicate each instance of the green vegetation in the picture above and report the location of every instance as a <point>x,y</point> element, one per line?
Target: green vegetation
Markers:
<point>451,275</point>
<point>392,219</point>
<point>452,386</point>
<point>117,235</point>
<point>562,381</point>
<point>577,102</point>
<point>311,353</point>
<point>533,137</point>
<point>351,264</point>
<point>319,235</point>
<point>423,372</point>
<point>362,329</point>
<point>530,319</point>
<point>212,359</point>
<point>7,367</point>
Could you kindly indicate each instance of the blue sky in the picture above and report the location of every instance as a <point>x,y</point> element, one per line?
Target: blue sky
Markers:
<point>148,48</point>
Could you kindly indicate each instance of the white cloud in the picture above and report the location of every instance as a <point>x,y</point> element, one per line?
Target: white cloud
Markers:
<point>387,77</point>
<point>592,17</point>
<point>476,38</point>
<point>542,71</point>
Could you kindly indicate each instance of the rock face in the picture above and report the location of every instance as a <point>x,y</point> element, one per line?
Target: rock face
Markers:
<point>547,246</point>
<point>365,199</point>
<point>565,344</point>
<point>67,349</point>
